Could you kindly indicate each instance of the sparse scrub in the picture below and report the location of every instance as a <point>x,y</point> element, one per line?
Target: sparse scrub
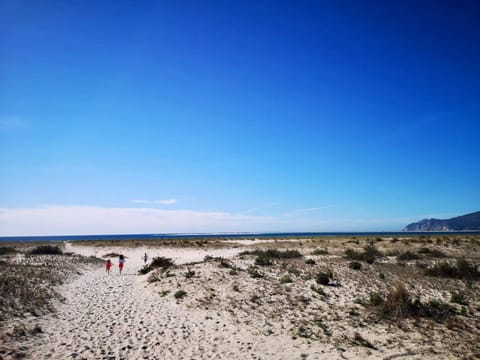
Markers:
<point>263,260</point>
<point>6,250</point>
<point>323,278</point>
<point>407,256</point>
<point>458,298</point>
<point>293,270</point>
<point>318,290</point>
<point>274,253</point>
<point>399,305</point>
<point>180,294</point>
<point>235,288</point>
<point>224,263</point>
<point>157,263</point>
<point>462,269</point>
<point>359,340</point>
<point>189,274</point>
<point>433,253</point>
<point>369,254</point>
<point>355,265</point>
<point>286,279</point>
<point>46,250</point>
<point>112,255</point>
<point>254,273</point>
<point>320,252</point>
<point>375,299</point>
<point>310,262</point>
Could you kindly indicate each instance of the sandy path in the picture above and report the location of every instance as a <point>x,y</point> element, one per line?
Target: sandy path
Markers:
<point>118,317</point>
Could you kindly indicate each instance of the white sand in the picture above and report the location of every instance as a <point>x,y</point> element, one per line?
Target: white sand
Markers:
<point>121,317</point>
<point>111,316</point>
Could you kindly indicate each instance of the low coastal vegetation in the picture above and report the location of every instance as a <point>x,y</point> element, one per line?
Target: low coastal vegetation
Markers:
<point>369,254</point>
<point>376,294</point>
<point>461,269</point>
<point>386,286</point>
<point>157,263</point>
<point>46,250</point>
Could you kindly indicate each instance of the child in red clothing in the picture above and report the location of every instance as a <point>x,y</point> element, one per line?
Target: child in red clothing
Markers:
<point>108,265</point>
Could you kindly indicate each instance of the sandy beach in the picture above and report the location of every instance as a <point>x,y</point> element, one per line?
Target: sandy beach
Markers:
<point>219,303</point>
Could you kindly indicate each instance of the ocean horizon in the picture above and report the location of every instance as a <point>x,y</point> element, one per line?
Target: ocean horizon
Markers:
<point>233,235</point>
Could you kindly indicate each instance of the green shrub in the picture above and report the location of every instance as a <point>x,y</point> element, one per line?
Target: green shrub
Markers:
<point>458,298</point>
<point>286,279</point>
<point>180,294</point>
<point>375,299</point>
<point>355,265</point>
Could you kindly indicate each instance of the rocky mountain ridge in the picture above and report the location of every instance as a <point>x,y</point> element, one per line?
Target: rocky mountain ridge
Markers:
<point>459,223</point>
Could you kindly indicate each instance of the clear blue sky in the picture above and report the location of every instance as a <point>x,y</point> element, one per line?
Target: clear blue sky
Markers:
<point>207,116</point>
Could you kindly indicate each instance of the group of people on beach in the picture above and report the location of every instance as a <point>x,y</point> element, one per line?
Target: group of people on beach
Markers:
<point>121,263</point>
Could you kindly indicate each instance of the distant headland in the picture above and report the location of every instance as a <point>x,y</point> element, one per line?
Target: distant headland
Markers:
<point>460,223</point>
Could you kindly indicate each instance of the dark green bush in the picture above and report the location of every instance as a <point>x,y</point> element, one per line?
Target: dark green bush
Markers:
<point>263,260</point>
<point>322,278</point>
<point>6,250</point>
<point>407,255</point>
<point>458,298</point>
<point>180,294</point>
<point>274,253</point>
<point>375,299</point>
<point>355,265</point>
<point>46,250</point>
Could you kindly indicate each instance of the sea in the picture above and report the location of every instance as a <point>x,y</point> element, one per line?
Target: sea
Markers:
<point>224,236</point>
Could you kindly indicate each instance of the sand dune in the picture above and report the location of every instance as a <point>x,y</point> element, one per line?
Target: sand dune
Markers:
<point>228,314</point>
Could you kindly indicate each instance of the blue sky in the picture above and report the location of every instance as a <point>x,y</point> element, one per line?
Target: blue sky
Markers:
<point>213,116</point>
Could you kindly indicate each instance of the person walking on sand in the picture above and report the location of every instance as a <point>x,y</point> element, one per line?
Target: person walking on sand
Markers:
<point>145,258</point>
<point>108,265</point>
<point>121,262</point>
